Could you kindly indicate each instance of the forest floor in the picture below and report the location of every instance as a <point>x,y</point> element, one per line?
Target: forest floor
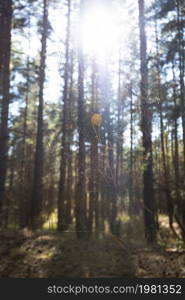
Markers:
<point>24,254</point>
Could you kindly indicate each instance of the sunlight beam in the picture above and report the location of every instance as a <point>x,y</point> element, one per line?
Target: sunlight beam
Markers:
<point>99,31</point>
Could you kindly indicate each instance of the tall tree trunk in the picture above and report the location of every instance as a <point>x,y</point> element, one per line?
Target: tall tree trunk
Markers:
<point>110,170</point>
<point>119,131</point>
<point>62,204</point>
<point>102,164</point>
<point>23,205</point>
<point>1,42</point>
<point>182,87</point>
<point>24,217</point>
<point>81,206</point>
<point>70,129</point>
<point>10,190</point>
<point>5,45</point>
<point>170,205</point>
<point>93,181</point>
<point>176,150</point>
<point>37,192</point>
<point>119,141</point>
<point>181,69</point>
<point>146,125</point>
<point>132,209</point>
<point>111,175</point>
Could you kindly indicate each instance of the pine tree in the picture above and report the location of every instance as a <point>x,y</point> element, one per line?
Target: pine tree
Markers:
<point>37,192</point>
<point>62,201</point>
<point>81,205</point>
<point>5,46</point>
<point>146,127</point>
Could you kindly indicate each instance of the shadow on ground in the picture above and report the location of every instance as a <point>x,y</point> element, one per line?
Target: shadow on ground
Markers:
<point>51,255</point>
<point>43,255</point>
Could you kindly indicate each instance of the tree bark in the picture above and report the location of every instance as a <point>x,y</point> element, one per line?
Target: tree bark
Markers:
<point>62,203</point>
<point>170,205</point>
<point>23,203</point>
<point>37,192</point>
<point>181,70</point>
<point>180,30</point>
<point>176,150</point>
<point>93,181</point>
<point>81,205</point>
<point>146,126</point>
<point>70,129</point>
<point>132,209</point>
<point>5,48</point>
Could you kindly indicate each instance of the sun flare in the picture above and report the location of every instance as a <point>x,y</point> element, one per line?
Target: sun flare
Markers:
<point>99,31</point>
